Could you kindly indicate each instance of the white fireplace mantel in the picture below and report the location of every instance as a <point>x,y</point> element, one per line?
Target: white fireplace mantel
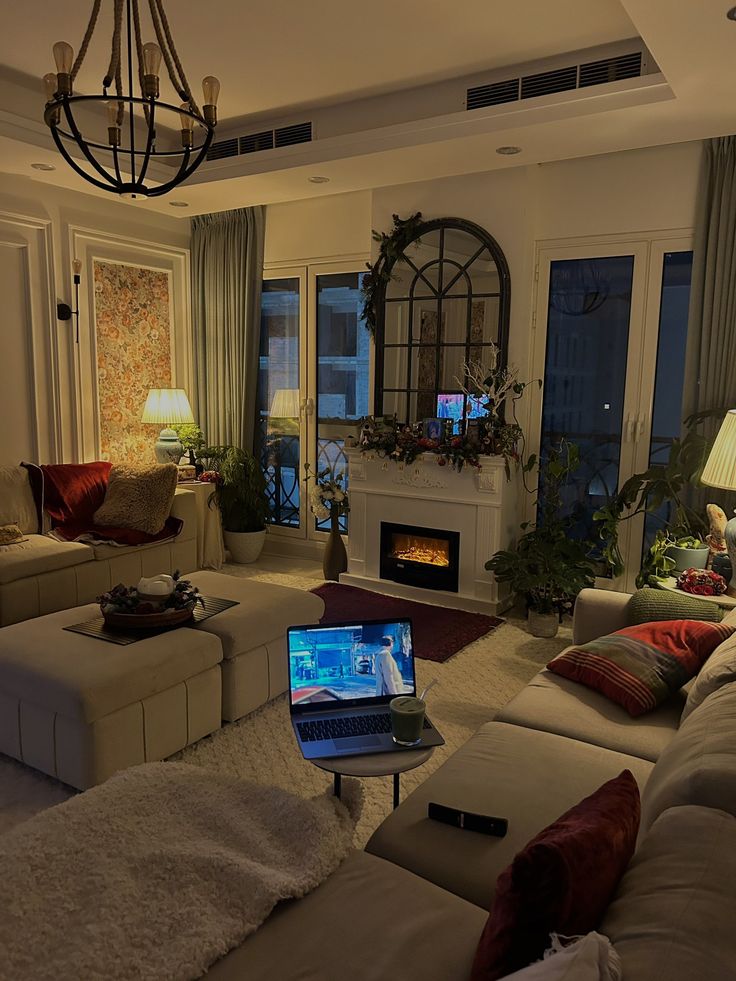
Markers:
<point>479,504</point>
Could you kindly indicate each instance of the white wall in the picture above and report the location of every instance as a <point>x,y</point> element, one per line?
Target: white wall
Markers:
<point>324,228</point>
<point>30,208</point>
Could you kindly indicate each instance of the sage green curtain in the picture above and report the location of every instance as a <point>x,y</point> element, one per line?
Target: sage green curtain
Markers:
<point>710,379</point>
<point>227,270</point>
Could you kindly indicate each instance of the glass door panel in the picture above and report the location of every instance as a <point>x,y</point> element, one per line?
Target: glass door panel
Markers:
<point>585,374</point>
<point>670,369</point>
<point>343,376</point>
<point>278,436</point>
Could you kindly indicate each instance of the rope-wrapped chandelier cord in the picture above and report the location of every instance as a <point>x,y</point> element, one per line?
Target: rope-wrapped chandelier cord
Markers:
<point>86,39</point>
<point>116,64</point>
<point>168,48</point>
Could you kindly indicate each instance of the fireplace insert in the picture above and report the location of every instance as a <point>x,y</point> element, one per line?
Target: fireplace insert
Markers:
<point>424,557</point>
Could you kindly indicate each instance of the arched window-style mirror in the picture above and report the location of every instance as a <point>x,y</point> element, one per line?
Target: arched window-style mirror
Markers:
<point>447,301</point>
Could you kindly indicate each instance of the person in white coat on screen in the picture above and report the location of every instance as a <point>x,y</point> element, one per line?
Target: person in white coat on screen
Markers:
<point>388,676</point>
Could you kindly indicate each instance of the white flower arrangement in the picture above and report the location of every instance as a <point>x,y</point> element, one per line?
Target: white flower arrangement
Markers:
<point>327,495</point>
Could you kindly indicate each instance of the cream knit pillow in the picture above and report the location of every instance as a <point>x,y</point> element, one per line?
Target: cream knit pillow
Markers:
<point>138,497</point>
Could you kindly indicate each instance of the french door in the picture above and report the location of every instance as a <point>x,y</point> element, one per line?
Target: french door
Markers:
<point>315,379</point>
<point>609,342</point>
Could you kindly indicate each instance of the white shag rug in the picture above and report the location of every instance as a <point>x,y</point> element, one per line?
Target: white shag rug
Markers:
<point>178,863</point>
<point>473,685</point>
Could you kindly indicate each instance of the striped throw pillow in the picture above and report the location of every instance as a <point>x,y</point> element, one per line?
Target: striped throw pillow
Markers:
<point>640,667</point>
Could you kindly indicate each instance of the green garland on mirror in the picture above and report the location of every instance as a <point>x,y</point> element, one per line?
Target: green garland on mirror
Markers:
<point>390,250</point>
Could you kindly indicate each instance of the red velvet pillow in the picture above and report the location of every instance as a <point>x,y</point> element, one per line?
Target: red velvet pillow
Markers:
<point>74,491</point>
<point>640,667</point>
<point>563,880</point>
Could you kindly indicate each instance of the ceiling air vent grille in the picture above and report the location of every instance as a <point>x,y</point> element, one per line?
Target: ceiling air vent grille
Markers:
<point>546,83</point>
<point>560,80</point>
<point>290,135</point>
<point>493,95</point>
<point>255,142</point>
<point>223,148</point>
<point>610,69</point>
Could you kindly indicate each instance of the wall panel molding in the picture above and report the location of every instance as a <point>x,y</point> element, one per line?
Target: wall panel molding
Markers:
<point>91,245</point>
<point>33,237</point>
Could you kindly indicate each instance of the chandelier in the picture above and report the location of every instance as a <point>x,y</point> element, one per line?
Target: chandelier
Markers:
<point>120,164</point>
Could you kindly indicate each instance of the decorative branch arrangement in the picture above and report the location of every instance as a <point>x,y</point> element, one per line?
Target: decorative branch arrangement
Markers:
<point>390,250</point>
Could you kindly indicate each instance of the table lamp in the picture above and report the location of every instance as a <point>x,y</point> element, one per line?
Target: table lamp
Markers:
<point>168,407</point>
<point>720,471</point>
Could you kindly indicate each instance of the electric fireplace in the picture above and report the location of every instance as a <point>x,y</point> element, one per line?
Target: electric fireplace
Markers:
<point>424,557</point>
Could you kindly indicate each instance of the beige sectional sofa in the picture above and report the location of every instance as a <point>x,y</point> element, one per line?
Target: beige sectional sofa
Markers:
<point>412,906</point>
<point>42,575</point>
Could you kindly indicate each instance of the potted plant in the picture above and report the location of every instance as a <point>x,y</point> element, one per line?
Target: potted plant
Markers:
<point>240,494</point>
<point>548,567</point>
<point>191,438</point>
<point>681,540</point>
<point>329,499</point>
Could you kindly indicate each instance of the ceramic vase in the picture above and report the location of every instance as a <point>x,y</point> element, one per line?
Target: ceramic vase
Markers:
<point>244,546</point>
<point>688,558</point>
<point>335,559</point>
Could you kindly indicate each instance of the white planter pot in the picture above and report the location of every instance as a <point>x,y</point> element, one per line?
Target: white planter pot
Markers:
<point>688,558</point>
<point>244,546</point>
<point>542,624</point>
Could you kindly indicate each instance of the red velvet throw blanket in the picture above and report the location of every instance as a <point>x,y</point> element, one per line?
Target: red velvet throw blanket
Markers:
<point>72,493</point>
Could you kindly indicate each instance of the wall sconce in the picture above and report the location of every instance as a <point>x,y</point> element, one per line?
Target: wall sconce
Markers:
<point>63,310</point>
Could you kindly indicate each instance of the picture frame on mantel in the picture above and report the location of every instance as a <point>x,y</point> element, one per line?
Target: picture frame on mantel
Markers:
<point>433,428</point>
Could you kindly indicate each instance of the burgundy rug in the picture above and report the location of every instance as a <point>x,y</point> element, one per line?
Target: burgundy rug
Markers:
<point>439,632</point>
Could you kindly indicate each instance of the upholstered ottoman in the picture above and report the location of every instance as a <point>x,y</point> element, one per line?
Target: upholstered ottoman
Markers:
<point>253,636</point>
<point>79,708</point>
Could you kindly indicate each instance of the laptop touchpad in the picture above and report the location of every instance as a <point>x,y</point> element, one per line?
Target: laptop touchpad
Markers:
<point>357,742</point>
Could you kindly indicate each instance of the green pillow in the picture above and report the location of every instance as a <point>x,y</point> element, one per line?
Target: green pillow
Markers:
<point>649,604</point>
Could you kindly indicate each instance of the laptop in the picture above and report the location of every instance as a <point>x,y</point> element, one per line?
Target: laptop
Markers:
<point>342,677</point>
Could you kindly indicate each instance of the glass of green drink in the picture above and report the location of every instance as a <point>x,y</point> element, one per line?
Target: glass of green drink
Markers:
<point>407,719</point>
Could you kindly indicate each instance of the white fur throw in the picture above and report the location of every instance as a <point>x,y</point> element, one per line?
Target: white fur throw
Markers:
<point>138,497</point>
<point>157,873</point>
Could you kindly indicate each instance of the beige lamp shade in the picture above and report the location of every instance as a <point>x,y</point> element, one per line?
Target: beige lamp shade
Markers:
<point>285,404</point>
<point>168,406</point>
<point>720,469</point>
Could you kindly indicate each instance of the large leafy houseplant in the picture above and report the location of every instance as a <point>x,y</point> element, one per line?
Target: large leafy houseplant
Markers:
<point>548,568</point>
<point>662,484</point>
<point>240,488</point>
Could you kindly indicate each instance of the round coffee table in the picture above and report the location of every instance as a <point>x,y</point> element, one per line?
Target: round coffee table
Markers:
<point>724,601</point>
<point>375,765</point>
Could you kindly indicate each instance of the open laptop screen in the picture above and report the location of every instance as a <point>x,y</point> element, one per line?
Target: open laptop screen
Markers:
<point>350,663</point>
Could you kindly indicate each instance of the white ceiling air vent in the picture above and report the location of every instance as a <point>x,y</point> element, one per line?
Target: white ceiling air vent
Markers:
<point>566,79</point>
<point>266,139</point>
<point>290,135</point>
<point>223,148</point>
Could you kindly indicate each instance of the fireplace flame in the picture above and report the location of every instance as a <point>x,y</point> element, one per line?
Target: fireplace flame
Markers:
<point>429,551</point>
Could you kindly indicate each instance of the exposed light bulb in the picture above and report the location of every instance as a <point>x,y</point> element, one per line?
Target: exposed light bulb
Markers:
<point>76,266</point>
<point>151,58</point>
<point>64,57</point>
<point>49,84</point>
<point>187,122</point>
<point>211,90</point>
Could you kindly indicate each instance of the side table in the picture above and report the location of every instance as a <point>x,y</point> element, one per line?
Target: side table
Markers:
<point>375,765</point>
<point>724,601</point>
<point>210,547</point>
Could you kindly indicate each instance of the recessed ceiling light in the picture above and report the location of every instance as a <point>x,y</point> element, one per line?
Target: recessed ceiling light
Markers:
<point>178,204</point>
<point>731,14</point>
<point>319,180</point>
<point>508,151</point>
<point>43,166</point>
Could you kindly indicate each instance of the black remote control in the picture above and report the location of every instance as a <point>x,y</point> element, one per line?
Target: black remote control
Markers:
<point>482,823</point>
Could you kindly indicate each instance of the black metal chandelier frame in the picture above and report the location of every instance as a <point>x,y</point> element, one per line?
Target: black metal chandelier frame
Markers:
<point>136,157</point>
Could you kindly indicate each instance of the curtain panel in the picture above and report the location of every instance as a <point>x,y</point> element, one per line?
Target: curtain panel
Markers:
<point>710,379</point>
<point>227,270</point>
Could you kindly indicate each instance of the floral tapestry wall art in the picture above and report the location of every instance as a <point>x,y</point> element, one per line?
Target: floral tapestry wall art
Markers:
<point>132,322</point>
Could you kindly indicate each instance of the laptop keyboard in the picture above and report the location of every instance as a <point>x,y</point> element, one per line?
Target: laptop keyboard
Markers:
<point>342,728</point>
